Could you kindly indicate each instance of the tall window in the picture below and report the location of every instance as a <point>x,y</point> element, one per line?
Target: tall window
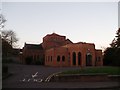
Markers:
<point>74,58</point>
<point>79,58</point>
<point>58,58</point>
<point>69,56</point>
<point>88,60</point>
<point>51,58</point>
<point>63,58</point>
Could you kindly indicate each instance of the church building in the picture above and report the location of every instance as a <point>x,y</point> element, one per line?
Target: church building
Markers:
<point>56,50</point>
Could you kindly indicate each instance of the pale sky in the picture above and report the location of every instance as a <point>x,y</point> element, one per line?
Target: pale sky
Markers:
<point>91,22</point>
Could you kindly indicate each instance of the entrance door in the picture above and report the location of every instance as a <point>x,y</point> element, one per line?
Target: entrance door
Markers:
<point>88,59</point>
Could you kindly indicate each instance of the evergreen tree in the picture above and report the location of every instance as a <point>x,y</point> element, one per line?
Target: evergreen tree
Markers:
<point>118,38</point>
<point>116,41</point>
<point>112,54</point>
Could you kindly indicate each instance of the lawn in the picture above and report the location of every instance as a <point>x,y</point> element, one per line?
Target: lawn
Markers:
<point>91,70</point>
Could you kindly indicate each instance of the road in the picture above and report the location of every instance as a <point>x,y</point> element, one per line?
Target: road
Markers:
<point>22,78</point>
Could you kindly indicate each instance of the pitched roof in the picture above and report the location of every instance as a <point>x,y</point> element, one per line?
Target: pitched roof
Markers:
<point>69,40</point>
<point>34,46</point>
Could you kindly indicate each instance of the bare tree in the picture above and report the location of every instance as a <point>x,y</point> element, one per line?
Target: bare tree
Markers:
<point>9,36</point>
<point>2,21</point>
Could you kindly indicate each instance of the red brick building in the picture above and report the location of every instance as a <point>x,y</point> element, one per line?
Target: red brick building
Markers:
<point>33,52</point>
<point>59,51</point>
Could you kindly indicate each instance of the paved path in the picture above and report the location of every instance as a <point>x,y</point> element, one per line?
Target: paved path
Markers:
<point>22,78</point>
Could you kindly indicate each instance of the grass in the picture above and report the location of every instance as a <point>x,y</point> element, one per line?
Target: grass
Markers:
<point>91,70</point>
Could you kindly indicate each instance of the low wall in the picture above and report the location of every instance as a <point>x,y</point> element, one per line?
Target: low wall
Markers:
<point>114,77</point>
<point>83,78</point>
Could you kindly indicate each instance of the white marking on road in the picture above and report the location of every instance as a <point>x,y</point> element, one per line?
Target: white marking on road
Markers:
<point>40,80</point>
<point>28,80</point>
<point>49,77</point>
<point>33,78</point>
<point>35,75</point>
<point>23,80</point>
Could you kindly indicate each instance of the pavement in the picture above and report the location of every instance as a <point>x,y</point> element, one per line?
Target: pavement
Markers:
<point>34,76</point>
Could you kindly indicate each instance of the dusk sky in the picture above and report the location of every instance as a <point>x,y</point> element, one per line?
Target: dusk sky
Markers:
<point>91,22</point>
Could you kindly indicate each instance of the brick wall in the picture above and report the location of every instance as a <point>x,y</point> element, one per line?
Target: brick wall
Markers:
<point>81,49</point>
<point>56,53</point>
<point>60,51</point>
<point>99,59</point>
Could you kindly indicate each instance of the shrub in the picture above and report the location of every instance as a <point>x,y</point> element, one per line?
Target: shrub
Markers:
<point>112,57</point>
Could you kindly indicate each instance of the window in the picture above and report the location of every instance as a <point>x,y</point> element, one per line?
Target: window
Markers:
<point>51,58</point>
<point>63,58</point>
<point>88,59</point>
<point>74,58</point>
<point>58,58</point>
<point>79,58</point>
<point>69,56</point>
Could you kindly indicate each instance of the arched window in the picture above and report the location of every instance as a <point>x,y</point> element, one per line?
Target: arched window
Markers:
<point>51,58</point>
<point>88,59</point>
<point>58,58</point>
<point>63,58</point>
<point>79,58</point>
<point>74,58</point>
<point>69,56</point>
